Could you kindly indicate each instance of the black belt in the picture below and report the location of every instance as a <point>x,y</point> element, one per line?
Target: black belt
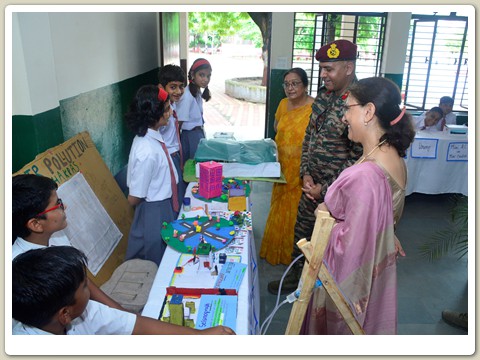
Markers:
<point>175,153</point>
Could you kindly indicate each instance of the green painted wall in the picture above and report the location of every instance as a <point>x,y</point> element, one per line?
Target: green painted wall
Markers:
<point>100,112</point>
<point>33,134</point>
<point>396,78</point>
<point>275,94</point>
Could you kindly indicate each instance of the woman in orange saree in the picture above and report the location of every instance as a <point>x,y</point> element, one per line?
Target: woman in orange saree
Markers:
<point>291,119</point>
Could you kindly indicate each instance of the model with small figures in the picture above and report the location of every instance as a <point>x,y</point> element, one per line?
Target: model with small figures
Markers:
<point>200,234</point>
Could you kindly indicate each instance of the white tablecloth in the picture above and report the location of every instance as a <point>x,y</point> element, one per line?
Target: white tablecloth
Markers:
<point>248,309</point>
<point>444,169</point>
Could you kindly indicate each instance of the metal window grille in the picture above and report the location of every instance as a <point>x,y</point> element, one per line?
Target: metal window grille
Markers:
<point>437,62</point>
<point>313,30</point>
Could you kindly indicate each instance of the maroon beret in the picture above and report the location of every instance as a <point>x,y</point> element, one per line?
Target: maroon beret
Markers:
<point>338,50</point>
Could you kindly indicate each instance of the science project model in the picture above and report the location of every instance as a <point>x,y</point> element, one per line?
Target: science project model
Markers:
<point>200,235</point>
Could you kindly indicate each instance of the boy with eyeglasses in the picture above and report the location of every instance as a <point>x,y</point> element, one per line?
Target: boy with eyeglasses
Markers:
<point>37,213</point>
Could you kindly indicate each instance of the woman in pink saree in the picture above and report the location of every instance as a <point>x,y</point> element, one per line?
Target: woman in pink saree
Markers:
<point>367,201</point>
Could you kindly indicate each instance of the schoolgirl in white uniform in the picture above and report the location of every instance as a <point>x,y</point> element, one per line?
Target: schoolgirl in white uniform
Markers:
<point>151,176</point>
<point>190,107</point>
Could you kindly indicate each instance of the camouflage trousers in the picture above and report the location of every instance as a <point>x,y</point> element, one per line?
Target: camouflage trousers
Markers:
<point>304,225</point>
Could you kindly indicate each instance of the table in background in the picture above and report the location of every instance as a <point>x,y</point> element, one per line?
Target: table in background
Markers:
<point>248,295</point>
<point>446,173</point>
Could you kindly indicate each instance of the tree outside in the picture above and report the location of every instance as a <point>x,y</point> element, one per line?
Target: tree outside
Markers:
<point>232,43</point>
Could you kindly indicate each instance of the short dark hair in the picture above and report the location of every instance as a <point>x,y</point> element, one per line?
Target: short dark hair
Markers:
<point>446,100</point>
<point>145,110</point>
<point>30,196</point>
<point>437,109</point>
<point>385,95</point>
<point>45,280</point>
<point>169,73</point>
<point>300,72</point>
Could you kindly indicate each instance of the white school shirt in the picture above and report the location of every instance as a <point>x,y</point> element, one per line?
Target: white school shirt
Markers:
<point>97,319</point>
<point>451,119</point>
<point>190,110</point>
<point>169,133</point>
<point>148,172</point>
<point>419,122</point>
<point>21,245</point>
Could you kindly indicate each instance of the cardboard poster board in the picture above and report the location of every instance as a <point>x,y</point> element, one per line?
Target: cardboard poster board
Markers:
<point>79,154</point>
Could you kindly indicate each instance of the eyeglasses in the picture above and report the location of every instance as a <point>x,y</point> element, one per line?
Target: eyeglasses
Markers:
<point>58,205</point>
<point>347,107</point>
<point>294,84</point>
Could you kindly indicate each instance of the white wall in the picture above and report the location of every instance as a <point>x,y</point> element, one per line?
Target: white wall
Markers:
<point>60,55</point>
<point>92,50</point>
<point>20,91</point>
<point>33,65</point>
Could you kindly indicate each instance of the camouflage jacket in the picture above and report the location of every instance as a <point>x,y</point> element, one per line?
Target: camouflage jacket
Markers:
<point>326,149</point>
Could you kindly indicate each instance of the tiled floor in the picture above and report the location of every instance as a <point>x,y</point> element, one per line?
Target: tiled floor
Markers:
<point>424,288</point>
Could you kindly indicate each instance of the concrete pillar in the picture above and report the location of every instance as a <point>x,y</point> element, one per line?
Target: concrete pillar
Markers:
<point>281,54</point>
<point>395,49</point>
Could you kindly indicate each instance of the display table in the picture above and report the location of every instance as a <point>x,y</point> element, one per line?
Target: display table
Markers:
<point>248,294</point>
<point>437,163</point>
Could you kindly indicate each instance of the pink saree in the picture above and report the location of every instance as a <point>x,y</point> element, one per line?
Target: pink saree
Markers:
<point>360,255</point>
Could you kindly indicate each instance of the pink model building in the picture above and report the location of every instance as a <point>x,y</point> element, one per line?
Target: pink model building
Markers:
<point>210,179</point>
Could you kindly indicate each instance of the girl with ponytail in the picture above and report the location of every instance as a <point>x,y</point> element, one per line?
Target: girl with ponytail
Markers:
<point>190,107</point>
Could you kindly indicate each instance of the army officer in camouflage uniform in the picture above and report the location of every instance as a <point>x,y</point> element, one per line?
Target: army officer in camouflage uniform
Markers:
<point>326,148</point>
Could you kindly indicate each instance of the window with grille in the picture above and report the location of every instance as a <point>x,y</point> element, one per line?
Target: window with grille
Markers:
<point>437,62</point>
<point>313,30</point>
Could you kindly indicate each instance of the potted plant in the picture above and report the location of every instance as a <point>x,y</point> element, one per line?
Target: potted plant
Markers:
<point>454,238</point>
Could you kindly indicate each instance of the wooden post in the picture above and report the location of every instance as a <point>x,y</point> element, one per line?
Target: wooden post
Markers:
<point>319,240</point>
<point>314,251</point>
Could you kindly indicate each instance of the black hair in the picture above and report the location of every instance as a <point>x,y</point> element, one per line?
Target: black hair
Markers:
<point>145,110</point>
<point>44,281</point>
<point>446,100</point>
<point>30,196</point>
<point>438,110</point>
<point>385,95</point>
<point>300,72</point>
<point>194,88</point>
<point>169,73</point>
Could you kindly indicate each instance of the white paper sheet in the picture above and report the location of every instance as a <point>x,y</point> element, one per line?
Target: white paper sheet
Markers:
<point>90,228</point>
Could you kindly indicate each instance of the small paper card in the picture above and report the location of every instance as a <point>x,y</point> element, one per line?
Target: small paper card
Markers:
<point>231,276</point>
<point>217,310</point>
<point>457,151</point>
<point>424,148</point>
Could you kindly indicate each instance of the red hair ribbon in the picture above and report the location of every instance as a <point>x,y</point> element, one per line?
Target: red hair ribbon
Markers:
<point>398,118</point>
<point>162,94</point>
<point>199,62</point>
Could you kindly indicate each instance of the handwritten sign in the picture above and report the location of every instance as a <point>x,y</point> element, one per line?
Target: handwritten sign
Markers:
<point>424,148</point>
<point>457,151</point>
<point>62,162</point>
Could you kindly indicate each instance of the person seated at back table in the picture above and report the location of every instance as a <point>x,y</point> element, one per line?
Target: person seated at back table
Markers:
<point>449,118</point>
<point>429,120</point>
<point>50,296</point>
